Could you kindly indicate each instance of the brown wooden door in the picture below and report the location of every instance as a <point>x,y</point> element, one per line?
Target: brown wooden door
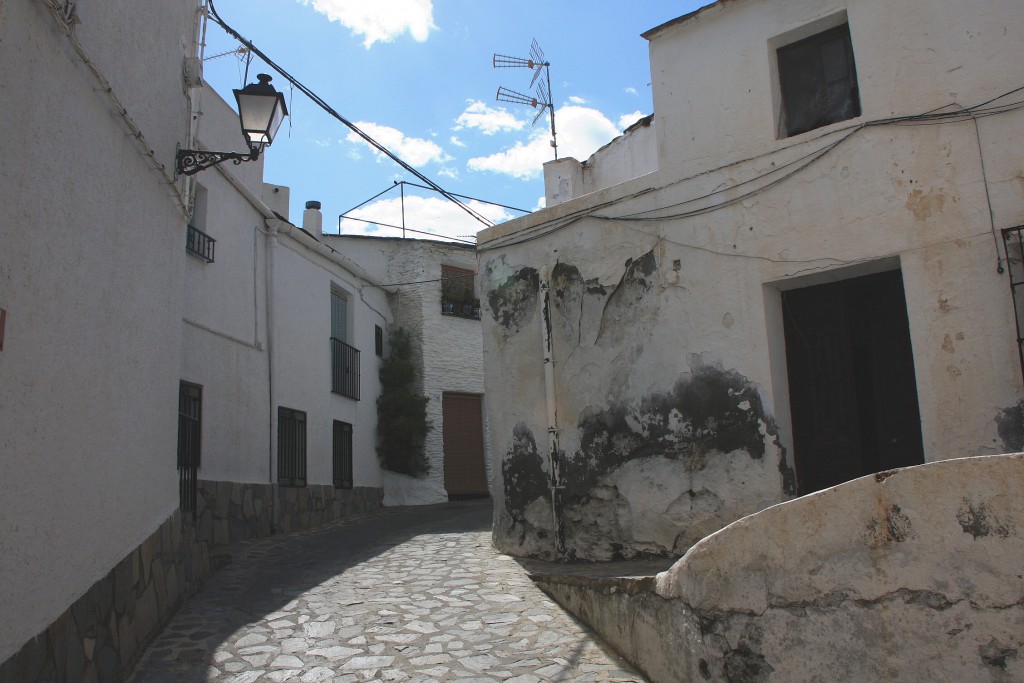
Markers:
<point>853,392</point>
<point>463,435</point>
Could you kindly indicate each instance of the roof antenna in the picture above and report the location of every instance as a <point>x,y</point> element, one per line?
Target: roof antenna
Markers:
<point>543,99</point>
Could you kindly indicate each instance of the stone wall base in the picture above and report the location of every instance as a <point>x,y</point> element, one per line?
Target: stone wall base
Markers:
<point>101,636</point>
<point>309,506</point>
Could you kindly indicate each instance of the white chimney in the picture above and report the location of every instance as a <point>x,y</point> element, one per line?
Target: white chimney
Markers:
<point>312,219</point>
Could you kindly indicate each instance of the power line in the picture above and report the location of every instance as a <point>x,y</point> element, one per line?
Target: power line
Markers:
<point>320,102</point>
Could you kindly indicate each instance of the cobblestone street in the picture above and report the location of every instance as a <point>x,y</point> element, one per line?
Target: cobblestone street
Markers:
<point>404,594</point>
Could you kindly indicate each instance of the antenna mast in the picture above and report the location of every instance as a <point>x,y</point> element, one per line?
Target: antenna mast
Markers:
<point>542,99</point>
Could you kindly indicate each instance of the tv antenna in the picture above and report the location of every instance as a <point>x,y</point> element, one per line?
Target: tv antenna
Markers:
<point>542,100</point>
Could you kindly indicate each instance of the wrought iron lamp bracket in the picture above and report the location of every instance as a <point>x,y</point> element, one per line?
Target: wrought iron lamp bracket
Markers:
<point>192,161</point>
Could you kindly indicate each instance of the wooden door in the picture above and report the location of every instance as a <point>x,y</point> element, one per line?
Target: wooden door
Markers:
<point>853,392</point>
<point>463,434</point>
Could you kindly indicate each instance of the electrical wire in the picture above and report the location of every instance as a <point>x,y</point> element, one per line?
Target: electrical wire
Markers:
<point>320,102</point>
<point>932,117</point>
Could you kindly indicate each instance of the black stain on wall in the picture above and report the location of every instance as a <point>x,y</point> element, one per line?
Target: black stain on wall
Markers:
<point>523,474</point>
<point>978,521</point>
<point>896,527</point>
<point>1010,424</point>
<point>513,301</point>
<point>709,413</point>
<point>995,654</point>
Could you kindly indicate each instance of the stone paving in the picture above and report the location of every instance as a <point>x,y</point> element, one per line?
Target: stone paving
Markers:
<point>407,594</point>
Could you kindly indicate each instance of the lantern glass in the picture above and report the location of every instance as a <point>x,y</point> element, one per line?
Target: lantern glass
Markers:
<point>261,110</point>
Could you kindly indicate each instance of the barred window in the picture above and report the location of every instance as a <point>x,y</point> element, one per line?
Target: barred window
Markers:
<point>190,422</point>
<point>342,455</point>
<point>291,447</point>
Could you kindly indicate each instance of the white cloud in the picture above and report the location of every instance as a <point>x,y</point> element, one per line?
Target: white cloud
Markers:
<point>627,120</point>
<point>379,21</point>
<point>488,120</point>
<point>631,91</point>
<point>456,141</point>
<point>435,215</point>
<point>541,203</point>
<point>449,172</point>
<point>581,131</point>
<point>415,151</point>
<point>576,100</point>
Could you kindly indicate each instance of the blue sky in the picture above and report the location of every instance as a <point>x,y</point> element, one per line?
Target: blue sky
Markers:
<point>417,76</point>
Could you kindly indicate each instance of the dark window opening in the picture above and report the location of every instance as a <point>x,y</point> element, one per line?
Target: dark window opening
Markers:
<point>291,447</point>
<point>853,391</point>
<point>190,412</point>
<point>818,81</point>
<point>342,455</point>
<point>458,293</point>
<point>378,340</point>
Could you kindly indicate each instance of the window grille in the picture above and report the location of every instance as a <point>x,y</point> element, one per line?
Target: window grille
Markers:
<point>342,455</point>
<point>291,447</point>
<point>458,293</point>
<point>1013,241</point>
<point>344,369</point>
<point>818,80</point>
<point>190,410</point>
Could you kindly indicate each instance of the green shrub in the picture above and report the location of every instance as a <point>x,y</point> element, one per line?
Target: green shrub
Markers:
<point>402,423</point>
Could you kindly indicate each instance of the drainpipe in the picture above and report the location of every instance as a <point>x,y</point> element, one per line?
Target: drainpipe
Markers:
<point>272,231</point>
<point>554,453</point>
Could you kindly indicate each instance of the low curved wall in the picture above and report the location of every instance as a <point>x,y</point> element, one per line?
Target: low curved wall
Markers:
<point>916,574</point>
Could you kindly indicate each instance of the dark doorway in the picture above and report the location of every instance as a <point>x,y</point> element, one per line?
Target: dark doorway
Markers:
<point>462,431</point>
<point>852,388</point>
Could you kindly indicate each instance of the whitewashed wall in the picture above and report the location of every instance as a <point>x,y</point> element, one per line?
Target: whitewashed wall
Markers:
<point>91,252</point>
<point>301,304</point>
<point>641,308</point>
<point>224,337</point>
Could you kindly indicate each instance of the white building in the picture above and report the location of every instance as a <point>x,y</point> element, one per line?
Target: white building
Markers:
<point>91,265</point>
<point>806,284</point>
<point>433,294</point>
<point>145,319</point>
<point>278,327</point>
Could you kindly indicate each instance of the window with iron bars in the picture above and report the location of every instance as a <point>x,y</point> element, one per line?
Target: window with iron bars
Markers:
<point>190,411</point>
<point>342,455</point>
<point>344,357</point>
<point>291,447</point>
<point>457,293</point>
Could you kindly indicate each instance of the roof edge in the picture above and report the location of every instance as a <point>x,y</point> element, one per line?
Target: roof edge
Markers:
<point>683,19</point>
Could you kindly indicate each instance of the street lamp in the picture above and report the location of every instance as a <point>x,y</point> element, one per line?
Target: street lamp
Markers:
<point>261,110</point>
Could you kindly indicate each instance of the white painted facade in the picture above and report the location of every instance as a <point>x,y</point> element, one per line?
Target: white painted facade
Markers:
<point>679,273</point>
<point>91,261</point>
<point>251,357</point>
<point>450,347</point>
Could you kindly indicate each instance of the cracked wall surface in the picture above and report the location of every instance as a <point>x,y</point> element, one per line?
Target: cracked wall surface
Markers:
<point>913,573</point>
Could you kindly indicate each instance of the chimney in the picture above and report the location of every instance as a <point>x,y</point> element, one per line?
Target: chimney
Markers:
<point>312,219</point>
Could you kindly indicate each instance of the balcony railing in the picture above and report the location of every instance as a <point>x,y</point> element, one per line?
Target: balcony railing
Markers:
<point>344,369</point>
<point>199,243</point>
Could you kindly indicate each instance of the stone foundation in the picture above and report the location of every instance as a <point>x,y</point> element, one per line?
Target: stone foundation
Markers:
<point>102,634</point>
<point>309,506</point>
<point>100,637</point>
